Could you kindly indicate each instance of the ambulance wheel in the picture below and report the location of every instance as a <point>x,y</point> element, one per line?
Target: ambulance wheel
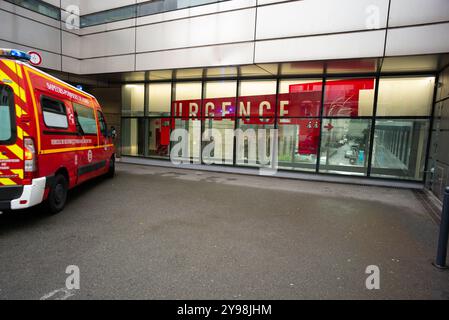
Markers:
<point>57,197</point>
<point>111,170</point>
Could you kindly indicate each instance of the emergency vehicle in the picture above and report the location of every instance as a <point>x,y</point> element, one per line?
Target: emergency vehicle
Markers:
<point>53,136</point>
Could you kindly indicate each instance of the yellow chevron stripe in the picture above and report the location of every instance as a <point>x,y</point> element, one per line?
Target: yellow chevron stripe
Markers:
<point>19,172</point>
<point>3,157</point>
<point>19,72</point>
<point>11,65</point>
<point>18,91</point>
<point>21,133</point>
<point>7,182</point>
<point>16,150</point>
<point>20,112</point>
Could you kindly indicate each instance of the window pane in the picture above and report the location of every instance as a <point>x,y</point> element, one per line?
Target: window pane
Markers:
<point>345,146</point>
<point>405,96</point>
<point>187,102</point>
<point>54,113</point>
<point>103,125</point>
<point>159,97</point>
<point>257,98</point>
<point>7,114</point>
<point>220,99</point>
<point>159,137</point>
<point>254,142</point>
<point>400,148</point>
<point>218,147</point>
<point>189,147</point>
<point>298,143</point>
<point>349,97</point>
<point>300,98</point>
<point>86,119</point>
<point>133,96</point>
<point>133,137</point>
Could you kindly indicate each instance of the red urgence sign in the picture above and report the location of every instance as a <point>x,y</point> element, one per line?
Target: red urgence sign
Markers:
<point>342,98</point>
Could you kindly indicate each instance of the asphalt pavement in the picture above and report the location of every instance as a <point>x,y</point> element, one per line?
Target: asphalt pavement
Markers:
<point>164,233</point>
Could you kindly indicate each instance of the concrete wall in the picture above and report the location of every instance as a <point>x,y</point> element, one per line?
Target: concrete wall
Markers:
<point>439,152</point>
<point>231,33</point>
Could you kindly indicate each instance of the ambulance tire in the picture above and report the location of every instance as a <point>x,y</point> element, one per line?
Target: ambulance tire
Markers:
<point>57,197</point>
<point>111,170</point>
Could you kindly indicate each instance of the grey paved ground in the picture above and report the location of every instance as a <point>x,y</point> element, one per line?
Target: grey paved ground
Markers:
<point>157,233</point>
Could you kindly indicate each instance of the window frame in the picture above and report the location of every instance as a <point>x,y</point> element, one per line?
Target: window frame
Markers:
<point>75,105</point>
<point>12,116</point>
<point>45,97</point>
<point>101,118</point>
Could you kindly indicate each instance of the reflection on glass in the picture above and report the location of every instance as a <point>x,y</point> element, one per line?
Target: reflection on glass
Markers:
<point>218,141</point>
<point>219,99</point>
<point>345,146</point>
<point>257,98</point>
<point>298,144</point>
<point>300,98</point>
<point>187,147</point>
<point>159,137</point>
<point>399,148</point>
<point>187,103</point>
<point>133,132</point>
<point>349,97</point>
<point>133,96</point>
<point>405,96</point>
<point>254,143</point>
<point>159,99</point>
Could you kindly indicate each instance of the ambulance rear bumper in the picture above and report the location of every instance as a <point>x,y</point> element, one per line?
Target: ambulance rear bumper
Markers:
<point>32,195</point>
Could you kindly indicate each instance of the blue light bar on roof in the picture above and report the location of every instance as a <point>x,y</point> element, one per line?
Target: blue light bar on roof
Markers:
<point>16,54</point>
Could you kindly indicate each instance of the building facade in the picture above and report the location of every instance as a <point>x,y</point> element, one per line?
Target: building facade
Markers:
<point>354,87</point>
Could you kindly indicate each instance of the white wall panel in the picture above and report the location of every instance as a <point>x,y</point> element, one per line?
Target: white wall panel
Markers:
<point>71,44</point>
<point>108,26</point>
<point>223,55</point>
<point>89,6</point>
<point>211,29</point>
<point>311,17</point>
<point>108,43</point>
<point>29,33</point>
<point>339,46</point>
<point>410,12</point>
<point>49,60</point>
<point>195,11</point>
<point>28,14</point>
<point>108,64</point>
<point>71,65</point>
<point>418,40</point>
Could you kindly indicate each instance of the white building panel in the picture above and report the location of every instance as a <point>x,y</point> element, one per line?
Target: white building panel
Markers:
<point>71,44</point>
<point>223,55</point>
<point>108,64</point>
<point>71,65</point>
<point>29,33</point>
<point>339,46</point>
<point>28,14</point>
<point>108,43</point>
<point>195,11</point>
<point>311,17</point>
<point>418,40</point>
<point>220,28</point>
<point>410,12</point>
<point>49,60</point>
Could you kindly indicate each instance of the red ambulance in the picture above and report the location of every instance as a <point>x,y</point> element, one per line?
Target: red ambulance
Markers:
<point>52,136</point>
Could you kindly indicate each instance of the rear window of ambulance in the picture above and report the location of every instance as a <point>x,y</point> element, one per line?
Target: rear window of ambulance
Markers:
<point>7,115</point>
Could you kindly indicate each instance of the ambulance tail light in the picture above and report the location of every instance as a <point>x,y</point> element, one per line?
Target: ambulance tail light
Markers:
<point>30,157</point>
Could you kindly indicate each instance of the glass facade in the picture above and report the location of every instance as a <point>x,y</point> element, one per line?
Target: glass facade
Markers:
<point>362,126</point>
<point>137,10</point>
